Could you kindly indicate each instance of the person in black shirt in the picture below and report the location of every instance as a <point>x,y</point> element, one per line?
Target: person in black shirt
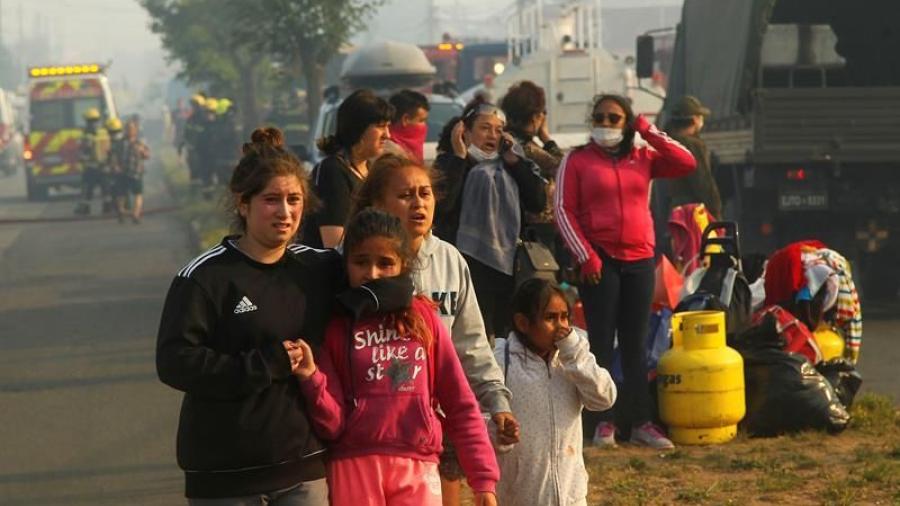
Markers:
<point>688,118</point>
<point>361,132</point>
<point>227,340</point>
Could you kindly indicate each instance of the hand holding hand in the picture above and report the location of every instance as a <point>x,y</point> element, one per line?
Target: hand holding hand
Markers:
<point>294,354</point>
<point>306,366</point>
<point>507,428</point>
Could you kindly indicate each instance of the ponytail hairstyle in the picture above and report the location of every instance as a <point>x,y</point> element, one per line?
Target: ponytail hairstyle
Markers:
<point>357,112</point>
<point>373,188</point>
<point>369,223</point>
<point>532,298</point>
<point>264,158</point>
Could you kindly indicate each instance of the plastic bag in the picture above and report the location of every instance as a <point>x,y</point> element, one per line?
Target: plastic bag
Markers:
<point>784,392</point>
<point>843,377</point>
<point>669,282</point>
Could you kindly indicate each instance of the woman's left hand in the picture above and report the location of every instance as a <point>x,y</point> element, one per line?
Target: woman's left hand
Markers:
<point>485,499</point>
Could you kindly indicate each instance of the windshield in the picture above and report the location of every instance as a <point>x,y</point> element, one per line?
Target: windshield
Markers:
<point>59,114</point>
<point>438,116</point>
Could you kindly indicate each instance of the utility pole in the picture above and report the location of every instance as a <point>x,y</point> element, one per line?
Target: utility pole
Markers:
<point>430,20</point>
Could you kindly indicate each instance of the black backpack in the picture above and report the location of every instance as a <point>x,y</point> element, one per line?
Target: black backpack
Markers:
<point>723,286</point>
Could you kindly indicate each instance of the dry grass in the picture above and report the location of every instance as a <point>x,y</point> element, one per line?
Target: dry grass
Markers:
<point>859,466</point>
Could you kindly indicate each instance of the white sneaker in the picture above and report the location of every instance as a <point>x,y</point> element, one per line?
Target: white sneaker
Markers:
<point>650,435</point>
<point>605,435</point>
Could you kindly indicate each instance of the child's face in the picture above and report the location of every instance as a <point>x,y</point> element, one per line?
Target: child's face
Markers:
<point>373,258</point>
<point>409,196</point>
<point>551,326</point>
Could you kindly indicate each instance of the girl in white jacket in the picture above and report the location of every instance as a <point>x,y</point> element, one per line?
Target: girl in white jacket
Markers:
<point>552,376</point>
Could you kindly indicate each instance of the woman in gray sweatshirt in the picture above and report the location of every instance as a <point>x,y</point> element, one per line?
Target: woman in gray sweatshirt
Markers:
<point>404,188</point>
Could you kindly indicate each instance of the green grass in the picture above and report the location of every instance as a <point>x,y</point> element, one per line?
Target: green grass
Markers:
<point>874,413</point>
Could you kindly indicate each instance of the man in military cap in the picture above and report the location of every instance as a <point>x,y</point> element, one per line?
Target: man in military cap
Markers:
<point>687,119</point>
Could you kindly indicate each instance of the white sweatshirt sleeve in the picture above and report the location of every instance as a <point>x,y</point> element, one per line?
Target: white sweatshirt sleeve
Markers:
<point>594,384</point>
<point>474,351</point>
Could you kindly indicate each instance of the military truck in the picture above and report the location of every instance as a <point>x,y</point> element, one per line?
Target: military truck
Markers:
<point>805,125</point>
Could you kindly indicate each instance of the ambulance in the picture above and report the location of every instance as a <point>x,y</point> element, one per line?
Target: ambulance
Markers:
<point>58,97</point>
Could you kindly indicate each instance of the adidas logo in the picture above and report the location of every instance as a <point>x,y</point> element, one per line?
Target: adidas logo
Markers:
<point>245,306</point>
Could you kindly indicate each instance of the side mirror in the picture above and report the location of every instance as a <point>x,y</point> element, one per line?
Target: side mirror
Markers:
<point>645,56</point>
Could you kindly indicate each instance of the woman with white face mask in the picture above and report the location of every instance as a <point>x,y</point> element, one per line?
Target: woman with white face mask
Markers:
<point>485,184</point>
<point>603,215</point>
<point>488,183</point>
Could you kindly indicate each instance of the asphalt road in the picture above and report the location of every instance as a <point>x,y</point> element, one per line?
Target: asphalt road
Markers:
<point>83,418</point>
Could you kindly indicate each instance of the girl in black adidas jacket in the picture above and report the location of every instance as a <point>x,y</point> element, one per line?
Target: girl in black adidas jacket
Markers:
<point>227,341</point>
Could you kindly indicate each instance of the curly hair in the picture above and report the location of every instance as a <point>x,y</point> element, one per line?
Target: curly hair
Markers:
<point>522,102</point>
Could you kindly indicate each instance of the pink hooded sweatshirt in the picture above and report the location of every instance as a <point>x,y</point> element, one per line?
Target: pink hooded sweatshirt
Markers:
<point>377,393</point>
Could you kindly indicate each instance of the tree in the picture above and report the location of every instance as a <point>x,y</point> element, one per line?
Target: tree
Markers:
<point>200,36</point>
<point>302,34</point>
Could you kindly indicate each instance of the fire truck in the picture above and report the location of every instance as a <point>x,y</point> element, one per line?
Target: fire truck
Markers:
<point>58,97</point>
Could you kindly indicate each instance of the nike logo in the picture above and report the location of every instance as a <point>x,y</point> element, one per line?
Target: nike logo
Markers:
<point>245,306</point>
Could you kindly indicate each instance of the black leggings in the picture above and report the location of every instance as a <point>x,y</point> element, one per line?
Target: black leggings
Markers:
<point>620,305</point>
<point>494,291</point>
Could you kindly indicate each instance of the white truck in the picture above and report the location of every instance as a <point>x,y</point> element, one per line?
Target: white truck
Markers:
<point>556,44</point>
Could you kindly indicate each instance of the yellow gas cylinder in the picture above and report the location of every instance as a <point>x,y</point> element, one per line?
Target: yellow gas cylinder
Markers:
<point>831,344</point>
<point>700,381</point>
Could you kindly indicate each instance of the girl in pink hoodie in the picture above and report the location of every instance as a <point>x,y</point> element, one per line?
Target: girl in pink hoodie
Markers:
<point>386,364</point>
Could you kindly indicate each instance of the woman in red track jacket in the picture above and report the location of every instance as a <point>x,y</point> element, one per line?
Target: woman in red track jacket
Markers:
<point>603,215</point>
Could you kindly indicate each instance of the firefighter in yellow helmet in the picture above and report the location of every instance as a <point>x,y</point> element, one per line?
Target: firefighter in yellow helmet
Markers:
<point>117,159</point>
<point>194,132</point>
<point>92,155</point>
<point>205,145</point>
<point>226,140</point>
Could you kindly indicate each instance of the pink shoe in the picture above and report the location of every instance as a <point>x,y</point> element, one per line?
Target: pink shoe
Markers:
<point>605,435</point>
<point>651,435</point>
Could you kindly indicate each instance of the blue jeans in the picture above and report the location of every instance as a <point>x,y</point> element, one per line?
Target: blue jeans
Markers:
<point>310,493</point>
